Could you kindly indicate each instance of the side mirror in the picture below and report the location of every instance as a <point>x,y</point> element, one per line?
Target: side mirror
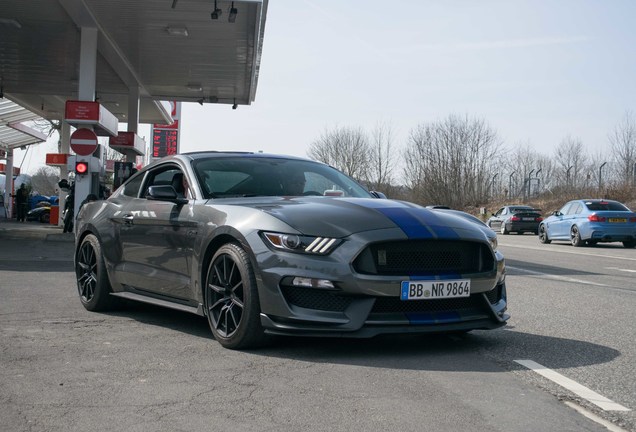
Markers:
<point>378,194</point>
<point>164,193</point>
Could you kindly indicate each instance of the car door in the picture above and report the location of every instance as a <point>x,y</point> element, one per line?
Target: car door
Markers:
<point>557,227</point>
<point>495,222</point>
<point>157,239</point>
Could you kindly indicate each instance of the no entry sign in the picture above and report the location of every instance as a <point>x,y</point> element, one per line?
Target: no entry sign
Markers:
<point>83,142</point>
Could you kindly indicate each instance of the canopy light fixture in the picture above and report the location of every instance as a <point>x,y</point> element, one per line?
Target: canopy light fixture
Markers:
<point>194,87</point>
<point>177,31</point>
<point>232,16</point>
<point>216,13</point>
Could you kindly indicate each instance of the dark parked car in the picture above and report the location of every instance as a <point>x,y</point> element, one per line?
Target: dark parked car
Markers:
<point>515,218</point>
<point>41,213</point>
<point>272,245</point>
<point>590,221</point>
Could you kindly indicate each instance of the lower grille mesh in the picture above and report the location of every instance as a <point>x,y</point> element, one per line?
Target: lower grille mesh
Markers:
<point>328,301</point>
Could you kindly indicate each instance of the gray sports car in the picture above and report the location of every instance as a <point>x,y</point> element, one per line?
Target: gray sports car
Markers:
<point>275,245</point>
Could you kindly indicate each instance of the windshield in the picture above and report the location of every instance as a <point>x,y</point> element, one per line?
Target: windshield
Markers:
<point>236,176</point>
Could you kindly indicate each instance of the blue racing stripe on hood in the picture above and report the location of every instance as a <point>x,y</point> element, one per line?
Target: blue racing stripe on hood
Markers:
<point>418,223</point>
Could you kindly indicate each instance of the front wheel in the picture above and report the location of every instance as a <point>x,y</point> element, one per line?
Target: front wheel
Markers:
<point>92,280</point>
<point>543,235</point>
<point>575,237</point>
<point>503,229</point>
<point>231,299</point>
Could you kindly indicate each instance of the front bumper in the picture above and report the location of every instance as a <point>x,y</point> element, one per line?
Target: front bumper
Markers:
<point>365,305</point>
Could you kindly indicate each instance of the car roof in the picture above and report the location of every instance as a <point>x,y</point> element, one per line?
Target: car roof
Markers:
<point>193,156</point>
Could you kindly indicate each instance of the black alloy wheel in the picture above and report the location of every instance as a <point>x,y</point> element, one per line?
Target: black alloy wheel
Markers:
<point>231,299</point>
<point>92,281</point>
<point>543,235</point>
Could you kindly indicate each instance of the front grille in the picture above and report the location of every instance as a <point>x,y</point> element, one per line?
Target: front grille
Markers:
<point>425,257</point>
<point>315,299</point>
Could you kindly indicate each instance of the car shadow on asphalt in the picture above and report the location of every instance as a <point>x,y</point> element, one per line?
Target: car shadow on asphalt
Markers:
<point>442,352</point>
<point>521,268</point>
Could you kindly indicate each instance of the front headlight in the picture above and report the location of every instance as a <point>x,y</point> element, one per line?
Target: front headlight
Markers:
<point>301,244</point>
<point>493,243</point>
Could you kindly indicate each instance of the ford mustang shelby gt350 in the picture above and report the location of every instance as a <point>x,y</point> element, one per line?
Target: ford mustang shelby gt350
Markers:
<point>275,245</point>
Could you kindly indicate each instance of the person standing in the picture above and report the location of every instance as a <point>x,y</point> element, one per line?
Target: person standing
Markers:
<point>21,199</point>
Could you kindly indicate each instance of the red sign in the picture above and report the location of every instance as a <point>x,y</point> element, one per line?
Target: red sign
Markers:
<point>84,142</point>
<point>123,139</point>
<point>3,168</point>
<point>56,159</point>
<point>82,110</point>
<point>173,125</point>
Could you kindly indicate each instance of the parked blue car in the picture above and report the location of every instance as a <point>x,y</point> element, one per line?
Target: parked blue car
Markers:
<point>590,221</point>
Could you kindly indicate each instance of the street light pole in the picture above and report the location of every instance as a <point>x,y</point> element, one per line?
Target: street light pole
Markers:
<point>492,184</point>
<point>510,183</point>
<point>529,181</point>
<point>600,178</point>
<point>538,179</point>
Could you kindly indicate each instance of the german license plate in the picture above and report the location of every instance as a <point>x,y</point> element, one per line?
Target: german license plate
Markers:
<point>528,219</point>
<point>435,289</point>
<point>617,220</point>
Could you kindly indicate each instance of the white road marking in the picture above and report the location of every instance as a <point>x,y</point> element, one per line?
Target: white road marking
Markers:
<point>548,248</point>
<point>600,401</point>
<point>585,413</point>
<point>558,278</point>
<point>620,269</point>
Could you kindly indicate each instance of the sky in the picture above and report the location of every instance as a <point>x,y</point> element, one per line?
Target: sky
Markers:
<point>536,71</point>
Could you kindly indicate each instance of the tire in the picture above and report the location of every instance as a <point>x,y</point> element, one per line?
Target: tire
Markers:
<point>92,280</point>
<point>575,237</point>
<point>543,235</point>
<point>503,229</point>
<point>45,218</point>
<point>630,244</point>
<point>231,299</point>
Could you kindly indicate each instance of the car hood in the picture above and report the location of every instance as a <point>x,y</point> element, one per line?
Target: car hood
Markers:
<point>340,217</point>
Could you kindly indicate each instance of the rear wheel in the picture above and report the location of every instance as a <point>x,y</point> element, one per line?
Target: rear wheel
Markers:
<point>45,217</point>
<point>543,235</point>
<point>575,237</point>
<point>92,280</point>
<point>231,299</point>
<point>630,244</point>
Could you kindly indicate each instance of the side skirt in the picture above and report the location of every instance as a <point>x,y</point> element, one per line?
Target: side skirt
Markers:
<point>198,310</point>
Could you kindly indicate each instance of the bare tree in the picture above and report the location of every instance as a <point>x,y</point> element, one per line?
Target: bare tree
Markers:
<point>381,157</point>
<point>623,144</point>
<point>571,162</point>
<point>452,161</point>
<point>44,181</point>
<point>344,148</point>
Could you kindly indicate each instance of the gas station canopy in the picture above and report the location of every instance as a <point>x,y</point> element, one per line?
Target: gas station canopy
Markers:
<point>201,51</point>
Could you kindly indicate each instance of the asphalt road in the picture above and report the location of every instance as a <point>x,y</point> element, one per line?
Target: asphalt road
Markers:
<point>142,368</point>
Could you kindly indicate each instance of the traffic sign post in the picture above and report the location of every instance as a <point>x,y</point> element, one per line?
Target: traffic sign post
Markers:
<point>83,142</point>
